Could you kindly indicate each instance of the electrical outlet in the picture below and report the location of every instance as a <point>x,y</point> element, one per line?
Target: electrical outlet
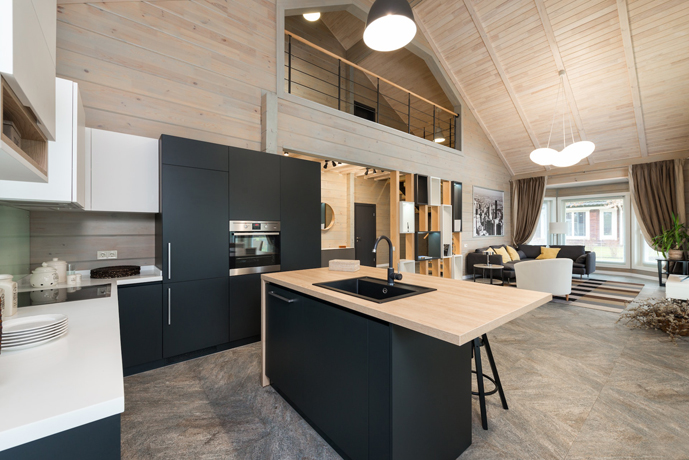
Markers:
<point>102,255</point>
<point>112,254</point>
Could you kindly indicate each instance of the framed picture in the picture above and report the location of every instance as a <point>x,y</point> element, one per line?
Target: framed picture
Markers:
<point>489,212</point>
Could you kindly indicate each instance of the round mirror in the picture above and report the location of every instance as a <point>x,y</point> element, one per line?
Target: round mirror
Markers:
<point>327,216</point>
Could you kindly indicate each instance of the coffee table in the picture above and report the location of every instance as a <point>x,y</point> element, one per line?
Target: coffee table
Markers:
<point>490,268</point>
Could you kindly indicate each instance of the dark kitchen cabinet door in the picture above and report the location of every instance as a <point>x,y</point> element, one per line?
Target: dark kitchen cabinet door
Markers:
<point>245,306</point>
<point>317,356</point>
<point>254,185</point>
<point>196,315</point>
<point>300,214</point>
<point>141,330</point>
<point>195,224</point>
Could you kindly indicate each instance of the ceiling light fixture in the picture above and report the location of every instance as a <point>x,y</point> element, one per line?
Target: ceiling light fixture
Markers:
<point>390,25</point>
<point>311,17</point>
<point>571,154</point>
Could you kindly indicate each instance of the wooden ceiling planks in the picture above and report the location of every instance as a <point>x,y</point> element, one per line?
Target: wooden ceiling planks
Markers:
<point>510,74</point>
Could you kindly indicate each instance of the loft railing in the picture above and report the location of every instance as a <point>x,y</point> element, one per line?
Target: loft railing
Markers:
<point>319,75</point>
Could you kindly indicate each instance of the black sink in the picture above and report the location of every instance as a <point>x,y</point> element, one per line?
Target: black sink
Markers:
<point>374,289</point>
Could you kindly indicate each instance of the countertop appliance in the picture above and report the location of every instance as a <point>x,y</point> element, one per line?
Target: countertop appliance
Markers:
<point>64,294</point>
<point>254,247</point>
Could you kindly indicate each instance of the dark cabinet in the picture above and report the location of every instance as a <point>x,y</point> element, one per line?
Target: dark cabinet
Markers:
<point>195,223</point>
<point>254,185</point>
<point>141,330</point>
<point>196,315</point>
<point>245,306</point>
<point>300,214</point>
<point>318,358</point>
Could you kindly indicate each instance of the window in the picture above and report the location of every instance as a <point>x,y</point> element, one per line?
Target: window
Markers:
<point>577,224</point>
<point>597,223</point>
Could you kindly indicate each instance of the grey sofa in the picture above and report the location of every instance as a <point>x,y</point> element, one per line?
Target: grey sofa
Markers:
<point>584,262</point>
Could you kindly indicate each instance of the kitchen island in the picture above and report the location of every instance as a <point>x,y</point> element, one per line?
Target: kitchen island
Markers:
<point>381,380</point>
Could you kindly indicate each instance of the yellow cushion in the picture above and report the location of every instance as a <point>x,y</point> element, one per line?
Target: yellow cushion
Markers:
<point>548,253</point>
<point>514,255</point>
<point>502,252</point>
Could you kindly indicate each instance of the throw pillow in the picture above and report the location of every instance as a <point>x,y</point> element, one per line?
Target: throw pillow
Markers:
<point>513,253</point>
<point>502,252</point>
<point>548,253</point>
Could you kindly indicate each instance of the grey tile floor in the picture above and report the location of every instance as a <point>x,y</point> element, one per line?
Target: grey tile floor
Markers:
<point>579,386</point>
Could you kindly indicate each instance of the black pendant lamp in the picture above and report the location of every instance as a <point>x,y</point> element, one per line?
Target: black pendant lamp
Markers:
<point>390,25</point>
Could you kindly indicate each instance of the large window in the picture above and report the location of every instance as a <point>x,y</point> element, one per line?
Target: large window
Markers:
<point>598,223</point>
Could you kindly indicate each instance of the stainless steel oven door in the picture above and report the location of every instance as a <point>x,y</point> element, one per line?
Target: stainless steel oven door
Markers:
<point>254,252</point>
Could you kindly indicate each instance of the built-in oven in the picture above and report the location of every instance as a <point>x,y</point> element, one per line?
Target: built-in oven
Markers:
<point>254,247</point>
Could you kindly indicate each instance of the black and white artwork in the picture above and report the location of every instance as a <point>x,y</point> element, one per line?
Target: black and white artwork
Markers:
<point>488,212</point>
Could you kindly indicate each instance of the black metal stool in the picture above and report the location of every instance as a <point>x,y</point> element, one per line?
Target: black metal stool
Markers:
<point>476,345</point>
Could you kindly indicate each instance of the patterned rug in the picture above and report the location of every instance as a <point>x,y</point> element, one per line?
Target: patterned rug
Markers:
<point>601,294</point>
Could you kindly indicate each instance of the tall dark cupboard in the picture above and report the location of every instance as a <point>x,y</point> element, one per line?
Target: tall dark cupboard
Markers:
<point>194,246</point>
<point>300,215</point>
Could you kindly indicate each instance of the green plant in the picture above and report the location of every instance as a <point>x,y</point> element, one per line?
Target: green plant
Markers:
<point>671,238</point>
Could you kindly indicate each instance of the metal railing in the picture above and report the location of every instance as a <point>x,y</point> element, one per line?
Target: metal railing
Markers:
<point>324,77</point>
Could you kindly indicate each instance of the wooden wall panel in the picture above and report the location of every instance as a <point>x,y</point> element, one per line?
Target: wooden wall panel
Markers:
<point>189,68</point>
<point>75,237</point>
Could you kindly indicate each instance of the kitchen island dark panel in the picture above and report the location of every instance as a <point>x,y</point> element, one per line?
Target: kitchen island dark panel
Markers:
<point>254,185</point>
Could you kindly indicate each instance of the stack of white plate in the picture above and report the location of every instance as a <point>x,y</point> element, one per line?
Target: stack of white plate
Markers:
<point>32,331</point>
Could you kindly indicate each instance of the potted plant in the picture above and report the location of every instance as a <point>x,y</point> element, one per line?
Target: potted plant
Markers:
<point>671,241</point>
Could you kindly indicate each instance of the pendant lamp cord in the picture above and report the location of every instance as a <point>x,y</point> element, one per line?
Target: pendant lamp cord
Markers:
<point>552,122</point>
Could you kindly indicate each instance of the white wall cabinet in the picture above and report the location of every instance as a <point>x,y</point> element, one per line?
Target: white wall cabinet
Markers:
<point>124,172</point>
<point>28,56</point>
<point>66,156</point>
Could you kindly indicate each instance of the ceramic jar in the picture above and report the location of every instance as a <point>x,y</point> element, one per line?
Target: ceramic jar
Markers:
<point>61,267</point>
<point>44,276</point>
<point>10,289</point>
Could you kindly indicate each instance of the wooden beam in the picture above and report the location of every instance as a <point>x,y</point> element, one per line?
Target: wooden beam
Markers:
<point>335,56</point>
<point>625,29</point>
<point>467,101</point>
<point>606,165</point>
<point>550,34</point>
<point>394,216</point>
<point>505,81</point>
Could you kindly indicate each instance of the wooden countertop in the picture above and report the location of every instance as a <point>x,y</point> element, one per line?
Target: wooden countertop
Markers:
<point>458,312</point>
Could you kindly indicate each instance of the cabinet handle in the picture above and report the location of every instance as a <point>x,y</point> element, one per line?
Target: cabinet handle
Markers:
<point>169,306</point>
<point>169,261</point>
<point>284,299</point>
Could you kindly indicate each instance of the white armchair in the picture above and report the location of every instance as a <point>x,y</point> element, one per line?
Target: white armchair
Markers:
<point>550,275</point>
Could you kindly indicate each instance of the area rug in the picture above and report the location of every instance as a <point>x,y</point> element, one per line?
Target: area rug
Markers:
<point>603,295</point>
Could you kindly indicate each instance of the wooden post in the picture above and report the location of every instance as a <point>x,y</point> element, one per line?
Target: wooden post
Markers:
<point>395,216</point>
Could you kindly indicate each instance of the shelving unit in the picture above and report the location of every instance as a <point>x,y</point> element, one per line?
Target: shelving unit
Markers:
<point>28,162</point>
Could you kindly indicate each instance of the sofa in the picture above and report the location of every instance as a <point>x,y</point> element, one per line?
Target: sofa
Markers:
<point>583,261</point>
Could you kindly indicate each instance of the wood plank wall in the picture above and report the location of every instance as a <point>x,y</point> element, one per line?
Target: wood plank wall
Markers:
<point>76,236</point>
<point>188,68</point>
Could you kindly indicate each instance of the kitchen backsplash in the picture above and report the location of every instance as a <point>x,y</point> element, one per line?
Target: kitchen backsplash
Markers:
<point>77,236</point>
<point>14,241</point>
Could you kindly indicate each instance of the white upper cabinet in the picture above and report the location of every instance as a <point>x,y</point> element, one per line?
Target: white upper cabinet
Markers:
<point>124,172</point>
<point>28,56</point>
<point>66,156</point>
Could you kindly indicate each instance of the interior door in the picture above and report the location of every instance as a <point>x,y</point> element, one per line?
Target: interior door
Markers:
<point>365,233</point>
<point>195,224</point>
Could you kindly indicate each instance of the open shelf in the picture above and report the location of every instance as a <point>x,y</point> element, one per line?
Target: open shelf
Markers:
<point>28,161</point>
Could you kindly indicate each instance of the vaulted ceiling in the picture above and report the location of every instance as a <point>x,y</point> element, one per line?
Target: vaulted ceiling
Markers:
<point>626,63</point>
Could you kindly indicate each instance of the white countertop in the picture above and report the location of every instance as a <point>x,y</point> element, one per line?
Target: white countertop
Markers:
<point>72,381</point>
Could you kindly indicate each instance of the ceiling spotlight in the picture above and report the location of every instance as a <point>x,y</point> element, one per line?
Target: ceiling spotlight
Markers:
<point>390,25</point>
<point>312,16</point>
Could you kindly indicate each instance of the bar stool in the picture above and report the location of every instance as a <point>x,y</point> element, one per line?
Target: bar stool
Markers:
<point>476,345</point>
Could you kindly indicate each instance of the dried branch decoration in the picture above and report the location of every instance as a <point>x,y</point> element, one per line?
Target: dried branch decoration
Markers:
<point>668,315</point>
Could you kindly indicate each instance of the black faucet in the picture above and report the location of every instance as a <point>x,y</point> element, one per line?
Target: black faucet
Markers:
<point>392,276</point>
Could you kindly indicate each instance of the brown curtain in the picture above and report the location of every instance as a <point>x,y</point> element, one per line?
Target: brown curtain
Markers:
<point>527,199</point>
<point>657,191</point>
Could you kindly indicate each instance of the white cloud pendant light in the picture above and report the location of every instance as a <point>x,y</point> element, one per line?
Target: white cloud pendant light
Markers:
<point>390,25</point>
